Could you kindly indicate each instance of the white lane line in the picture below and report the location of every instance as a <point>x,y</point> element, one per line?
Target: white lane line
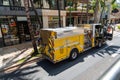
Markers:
<point>114,55</point>
<point>116,34</point>
<point>89,56</point>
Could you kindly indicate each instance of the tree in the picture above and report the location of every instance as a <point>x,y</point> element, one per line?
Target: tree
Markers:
<point>97,4</point>
<point>58,7</point>
<point>26,2</point>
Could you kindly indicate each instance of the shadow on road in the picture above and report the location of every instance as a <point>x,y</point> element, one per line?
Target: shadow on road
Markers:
<point>110,50</point>
<point>19,74</point>
<point>54,69</point>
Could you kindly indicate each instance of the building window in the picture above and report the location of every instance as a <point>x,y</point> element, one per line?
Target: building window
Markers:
<point>42,3</point>
<point>48,4</point>
<point>4,2</point>
<point>1,2</point>
<point>15,3</point>
<point>62,4</point>
<point>38,3</point>
<point>53,4</point>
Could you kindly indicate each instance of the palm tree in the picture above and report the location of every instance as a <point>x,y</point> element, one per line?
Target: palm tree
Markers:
<point>26,3</point>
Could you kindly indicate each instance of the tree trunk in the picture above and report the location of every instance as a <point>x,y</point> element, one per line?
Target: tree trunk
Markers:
<point>39,20</point>
<point>101,21</point>
<point>59,14</point>
<point>96,12</point>
<point>26,3</point>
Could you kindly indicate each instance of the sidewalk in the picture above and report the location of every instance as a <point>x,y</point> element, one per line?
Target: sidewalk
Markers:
<point>14,53</point>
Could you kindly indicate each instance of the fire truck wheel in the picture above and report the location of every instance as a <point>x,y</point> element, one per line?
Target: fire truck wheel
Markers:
<point>73,54</point>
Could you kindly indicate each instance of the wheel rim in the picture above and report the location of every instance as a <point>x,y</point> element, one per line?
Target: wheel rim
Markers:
<point>74,55</point>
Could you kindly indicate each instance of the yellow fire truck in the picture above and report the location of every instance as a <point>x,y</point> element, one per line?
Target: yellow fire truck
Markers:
<point>57,44</point>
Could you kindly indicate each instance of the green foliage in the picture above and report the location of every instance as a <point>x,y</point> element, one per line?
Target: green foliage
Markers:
<point>71,9</point>
<point>102,3</point>
<point>118,5</point>
<point>118,27</point>
<point>113,1</point>
<point>91,11</point>
<point>69,3</point>
<point>114,6</point>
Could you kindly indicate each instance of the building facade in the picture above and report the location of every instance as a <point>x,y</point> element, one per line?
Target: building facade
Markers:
<point>78,12</point>
<point>13,21</point>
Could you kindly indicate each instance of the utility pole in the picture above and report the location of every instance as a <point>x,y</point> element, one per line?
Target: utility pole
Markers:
<point>59,14</point>
<point>26,3</point>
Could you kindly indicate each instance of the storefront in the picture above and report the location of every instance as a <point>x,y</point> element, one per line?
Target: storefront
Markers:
<point>13,22</point>
<point>9,30</point>
<point>14,29</point>
<point>52,20</point>
<point>23,30</point>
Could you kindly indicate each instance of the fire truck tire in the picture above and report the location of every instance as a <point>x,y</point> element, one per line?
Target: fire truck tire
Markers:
<point>73,54</point>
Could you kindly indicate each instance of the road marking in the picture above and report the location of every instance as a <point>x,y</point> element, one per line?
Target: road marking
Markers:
<point>114,55</point>
<point>104,48</point>
<point>89,56</point>
<point>116,34</point>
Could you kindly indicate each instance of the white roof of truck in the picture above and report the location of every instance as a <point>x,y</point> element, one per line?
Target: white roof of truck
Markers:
<point>66,31</point>
<point>63,29</point>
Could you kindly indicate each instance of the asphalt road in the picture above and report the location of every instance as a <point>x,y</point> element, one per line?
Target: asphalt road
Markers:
<point>88,66</point>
